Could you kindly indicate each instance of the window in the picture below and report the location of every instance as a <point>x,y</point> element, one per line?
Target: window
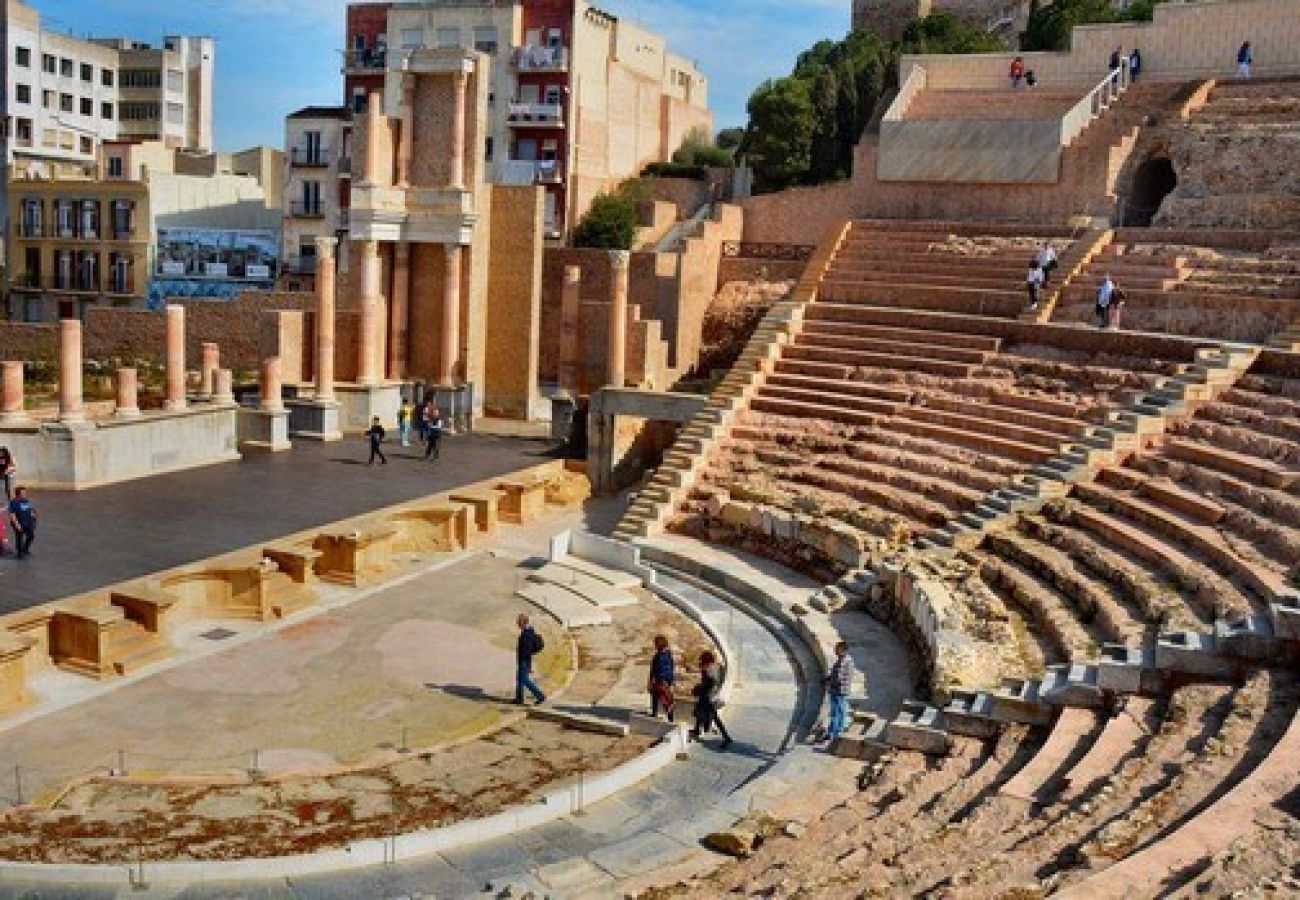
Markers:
<point>87,106</point>
<point>137,111</point>
<point>485,38</point>
<point>67,68</point>
<point>24,132</point>
<point>141,78</point>
<point>47,99</point>
<point>554,38</point>
<point>175,81</point>
<point>23,56</point>
<point>87,145</point>
<point>106,77</point>
<point>553,94</point>
<point>116,166</point>
<point>311,197</point>
<point>487,149</point>
<point>449,37</point>
<point>412,38</point>
<point>358,42</point>
<point>65,102</point>
<point>176,113</point>
<point>106,111</point>
<point>49,63</point>
<point>123,213</point>
<point>87,72</point>
<point>23,93</point>
<point>359,101</point>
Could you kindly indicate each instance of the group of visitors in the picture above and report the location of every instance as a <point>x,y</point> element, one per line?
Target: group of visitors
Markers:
<point>1110,304</point>
<point>1041,268</point>
<point>1134,62</point>
<point>428,424</point>
<point>19,514</point>
<point>1020,75</point>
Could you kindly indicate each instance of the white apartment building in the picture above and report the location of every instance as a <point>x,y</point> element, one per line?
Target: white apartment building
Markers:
<point>318,163</point>
<point>66,96</point>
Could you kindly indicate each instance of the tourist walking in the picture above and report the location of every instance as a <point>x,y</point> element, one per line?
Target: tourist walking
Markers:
<point>376,435</point>
<point>706,700</point>
<point>1031,79</point>
<point>839,687</point>
<point>1116,59</point>
<point>22,516</point>
<point>1245,59</point>
<point>1017,71</point>
<point>404,416</point>
<point>1134,65</point>
<point>1105,293</point>
<point>530,644</point>
<point>1115,311</point>
<point>433,432</point>
<point>7,469</point>
<point>1046,259</point>
<point>662,676</point>
<point>1034,283</point>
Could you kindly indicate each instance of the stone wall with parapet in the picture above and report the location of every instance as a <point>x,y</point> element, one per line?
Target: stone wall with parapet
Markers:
<point>1184,40</point>
<point>799,215</point>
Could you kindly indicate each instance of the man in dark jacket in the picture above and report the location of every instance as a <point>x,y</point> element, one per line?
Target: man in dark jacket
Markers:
<point>376,436</point>
<point>662,676</point>
<point>529,645</point>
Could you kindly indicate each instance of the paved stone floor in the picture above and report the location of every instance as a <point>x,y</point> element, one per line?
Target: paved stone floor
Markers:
<point>89,539</point>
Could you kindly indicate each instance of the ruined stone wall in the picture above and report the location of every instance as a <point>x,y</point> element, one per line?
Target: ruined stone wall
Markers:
<point>596,281</point>
<point>1247,176</point>
<point>733,268</point>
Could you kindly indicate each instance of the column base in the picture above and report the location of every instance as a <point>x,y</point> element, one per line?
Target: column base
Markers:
<point>360,403</point>
<point>314,420</point>
<point>264,430</point>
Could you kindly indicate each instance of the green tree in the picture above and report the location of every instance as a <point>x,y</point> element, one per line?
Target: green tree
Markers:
<point>730,138</point>
<point>781,129</point>
<point>609,223</point>
<point>1049,26</point>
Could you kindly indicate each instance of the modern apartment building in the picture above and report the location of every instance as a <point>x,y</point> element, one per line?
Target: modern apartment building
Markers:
<point>147,222</point>
<point>66,96</point>
<point>318,170</point>
<point>579,99</point>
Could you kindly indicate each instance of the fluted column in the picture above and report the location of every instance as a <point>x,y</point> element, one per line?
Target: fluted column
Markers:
<point>406,140</point>
<point>12,408</point>
<point>128,394</point>
<point>616,349</point>
<point>223,387</point>
<point>71,410</point>
<point>368,345</point>
<point>450,317</point>
<point>570,313</point>
<point>460,83</point>
<point>174,398</point>
<point>272,399</point>
<point>374,110</point>
<point>208,368</point>
<point>400,312</point>
<point>326,286</point>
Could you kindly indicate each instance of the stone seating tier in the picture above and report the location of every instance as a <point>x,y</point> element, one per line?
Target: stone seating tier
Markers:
<point>973,301</point>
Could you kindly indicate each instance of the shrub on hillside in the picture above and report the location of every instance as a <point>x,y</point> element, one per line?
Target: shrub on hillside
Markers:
<point>610,223</point>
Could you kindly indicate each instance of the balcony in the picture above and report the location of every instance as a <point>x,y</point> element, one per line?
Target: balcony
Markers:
<point>300,209</point>
<point>309,157</point>
<point>533,58</point>
<point>364,61</point>
<point>31,230</point>
<point>536,115</point>
<point>345,167</point>
<point>529,172</point>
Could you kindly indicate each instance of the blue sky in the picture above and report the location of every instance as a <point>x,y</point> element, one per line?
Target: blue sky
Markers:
<point>274,56</point>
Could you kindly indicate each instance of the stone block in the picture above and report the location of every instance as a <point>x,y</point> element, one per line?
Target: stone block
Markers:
<point>14,652</point>
<point>485,505</point>
<point>522,501</point>
<point>1250,637</point>
<point>358,557</point>
<point>1285,613</point>
<point>1120,668</point>
<point>1191,653</point>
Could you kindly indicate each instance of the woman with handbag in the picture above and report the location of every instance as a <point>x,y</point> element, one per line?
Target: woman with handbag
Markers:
<point>706,699</point>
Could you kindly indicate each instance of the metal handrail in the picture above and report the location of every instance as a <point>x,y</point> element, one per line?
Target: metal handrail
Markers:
<point>1095,102</point>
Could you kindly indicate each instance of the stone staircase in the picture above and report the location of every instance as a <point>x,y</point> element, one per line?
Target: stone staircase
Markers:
<point>1215,370</point>
<point>682,462</point>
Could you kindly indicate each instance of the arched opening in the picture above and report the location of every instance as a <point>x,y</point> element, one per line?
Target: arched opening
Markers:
<point>1152,182</point>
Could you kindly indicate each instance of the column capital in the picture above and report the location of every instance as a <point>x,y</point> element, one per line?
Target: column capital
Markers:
<point>451,250</point>
<point>620,258</point>
<point>325,245</point>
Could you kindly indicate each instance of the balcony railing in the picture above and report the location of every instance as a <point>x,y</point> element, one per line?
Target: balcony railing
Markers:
<point>528,172</point>
<point>536,114</point>
<point>364,60</point>
<point>532,58</point>
<point>300,209</point>
<point>77,282</point>
<point>309,157</point>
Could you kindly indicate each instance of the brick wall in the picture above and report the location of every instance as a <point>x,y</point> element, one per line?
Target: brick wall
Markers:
<point>29,341</point>
<point>737,269</point>
<point>514,301</point>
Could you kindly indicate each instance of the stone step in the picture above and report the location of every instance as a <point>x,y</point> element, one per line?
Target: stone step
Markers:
<point>1039,780</point>
<point>974,420</point>
<point>878,360</point>
<point>592,569</point>
<point>986,443</point>
<point>919,349</point>
<point>594,590</point>
<point>778,391</point>
<point>1260,471</point>
<point>803,409</point>
<point>568,608</point>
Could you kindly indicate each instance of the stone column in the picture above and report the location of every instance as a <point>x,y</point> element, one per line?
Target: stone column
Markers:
<point>128,392</point>
<point>450,317</point>
<point>12,410</point>
<point>570,314</point>
<point>400,312</point>
<point>374,110</point>
<point>616,343</point>
<point>211,362</point>
<point>368,345</point>
<point>460,83</point>
<point>272,386</point>
<point>325,302</point>
<point>174,398</point>
<point>223,387</point>
<point>406,140</point>
<point>71,410</point>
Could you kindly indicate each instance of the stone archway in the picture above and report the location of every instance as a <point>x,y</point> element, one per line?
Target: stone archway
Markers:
<point>1153,180</point>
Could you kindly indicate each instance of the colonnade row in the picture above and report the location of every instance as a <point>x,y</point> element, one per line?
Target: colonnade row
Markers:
<point>216,383</point>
